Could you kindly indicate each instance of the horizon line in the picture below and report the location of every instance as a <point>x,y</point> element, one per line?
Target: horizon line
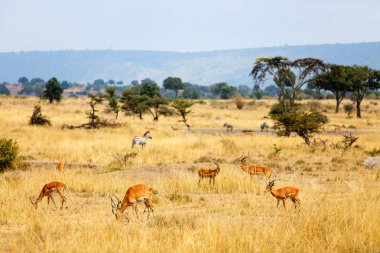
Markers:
<point>189,52</point>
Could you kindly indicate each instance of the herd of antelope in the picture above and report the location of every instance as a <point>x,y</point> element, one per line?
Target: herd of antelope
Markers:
<point>143,193</point>
<point>290,192</point>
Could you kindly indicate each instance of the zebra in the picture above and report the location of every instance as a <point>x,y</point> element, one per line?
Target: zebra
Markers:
<point>264,126</point>
<point>141,140</point>
<point>229,126</point>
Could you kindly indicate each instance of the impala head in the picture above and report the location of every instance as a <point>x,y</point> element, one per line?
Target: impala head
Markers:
<point>33,202</point>
<point>269,184</point>
<point>241,159</point>
<point>116,207</point>
<point>148,135</point>
<point>216,162</point>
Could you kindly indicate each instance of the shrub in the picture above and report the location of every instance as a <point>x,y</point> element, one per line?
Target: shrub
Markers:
<point>239,102</point>
<point>348,108</point>
<point>8,153</point>
<point>297,120</point>
<point>37,118</point>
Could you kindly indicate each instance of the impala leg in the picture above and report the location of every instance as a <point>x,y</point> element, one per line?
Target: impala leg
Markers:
<point>298,201</point>
<point>136,211</point>
<point>62,194</point>
<point>199,181</point>
<point>294,202</point>
<point>283,202</point>
<point>278,202</point>
<point>210,181</point>
<point>52,200</point>
<point>213,180</point>
<point>149,205</point>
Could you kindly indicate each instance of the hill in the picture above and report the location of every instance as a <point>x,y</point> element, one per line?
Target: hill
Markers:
<point>205,68</point>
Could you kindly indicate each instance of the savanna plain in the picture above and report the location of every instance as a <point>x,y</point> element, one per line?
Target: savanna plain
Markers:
<point>340,198</point>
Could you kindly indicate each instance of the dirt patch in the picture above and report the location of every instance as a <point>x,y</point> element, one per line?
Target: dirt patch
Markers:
<point>53,164</point>
<point>151,174</point>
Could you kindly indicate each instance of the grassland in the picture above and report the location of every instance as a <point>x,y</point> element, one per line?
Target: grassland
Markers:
<point>340,198</point>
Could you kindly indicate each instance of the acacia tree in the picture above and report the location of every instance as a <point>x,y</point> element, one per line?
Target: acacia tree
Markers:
<point>282,82</point>
<point>53,90</point>
<point>361,80</point>
<point>157,106</point>
<point>279,67</point>
<point>334,80</point>
<point>134,103</point>
<point>113,102</point>
<point>94,100</point>
<point>183,106</point>
<point>174,83</point>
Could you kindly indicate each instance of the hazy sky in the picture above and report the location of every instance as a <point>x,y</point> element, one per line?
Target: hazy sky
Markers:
<point>184,25</point>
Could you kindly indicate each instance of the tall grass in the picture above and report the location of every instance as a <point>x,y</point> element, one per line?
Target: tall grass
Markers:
<point>340,198</point>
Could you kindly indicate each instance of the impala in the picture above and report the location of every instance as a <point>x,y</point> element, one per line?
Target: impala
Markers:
<point>48,189</point>
<point>209,172</point>
<point>60,166</point>
<point>135,194</point>
<point>252,169</point>
<point>283,193</point>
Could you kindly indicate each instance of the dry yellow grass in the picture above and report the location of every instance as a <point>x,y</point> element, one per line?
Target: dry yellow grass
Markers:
<point>340,198</point>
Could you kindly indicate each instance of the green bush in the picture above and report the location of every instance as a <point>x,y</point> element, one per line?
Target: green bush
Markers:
<point>348,108</point>
<point>8,153</point>
<point>298,120</point>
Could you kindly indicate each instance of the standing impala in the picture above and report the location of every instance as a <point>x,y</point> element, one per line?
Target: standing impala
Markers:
<point>60,166</point>
<point>252,169</point>
<point>209,172</point>
<point>138,193</point>
<point>48,189</point>
<point>283,193</point>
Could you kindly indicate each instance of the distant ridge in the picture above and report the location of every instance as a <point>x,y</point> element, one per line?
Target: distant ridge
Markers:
<point>232,66</point>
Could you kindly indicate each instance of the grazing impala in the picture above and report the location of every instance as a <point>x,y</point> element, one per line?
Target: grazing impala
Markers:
<point>138,193</point>
<point>209,172</point>
<point>283,193</point>
<point>60,166</point>
<point>252,169</point>
<point>48,189</point>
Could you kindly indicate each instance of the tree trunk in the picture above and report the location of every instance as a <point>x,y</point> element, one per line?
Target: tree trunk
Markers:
<point>358,110</point>
<point>337,103</point>
<point>305,136</point>
<point>292,99</point>
<point>176,93</point>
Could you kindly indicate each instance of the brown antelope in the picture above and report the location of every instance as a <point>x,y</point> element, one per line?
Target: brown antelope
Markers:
<point>209,172</point>
<point>60,166</point>
<point>252,169</point>
<point>48,189</point>
<point>135,194</point>
<point>283,193</point>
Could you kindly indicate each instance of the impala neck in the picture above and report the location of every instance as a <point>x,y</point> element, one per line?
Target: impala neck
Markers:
<point>273,192</point>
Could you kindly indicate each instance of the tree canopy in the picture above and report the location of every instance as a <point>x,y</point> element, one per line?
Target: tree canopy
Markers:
<point>174,83</point>
<point>334,80</point>
<point>223,90</point>
<point>53,90</point>
<point>294,74</point>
